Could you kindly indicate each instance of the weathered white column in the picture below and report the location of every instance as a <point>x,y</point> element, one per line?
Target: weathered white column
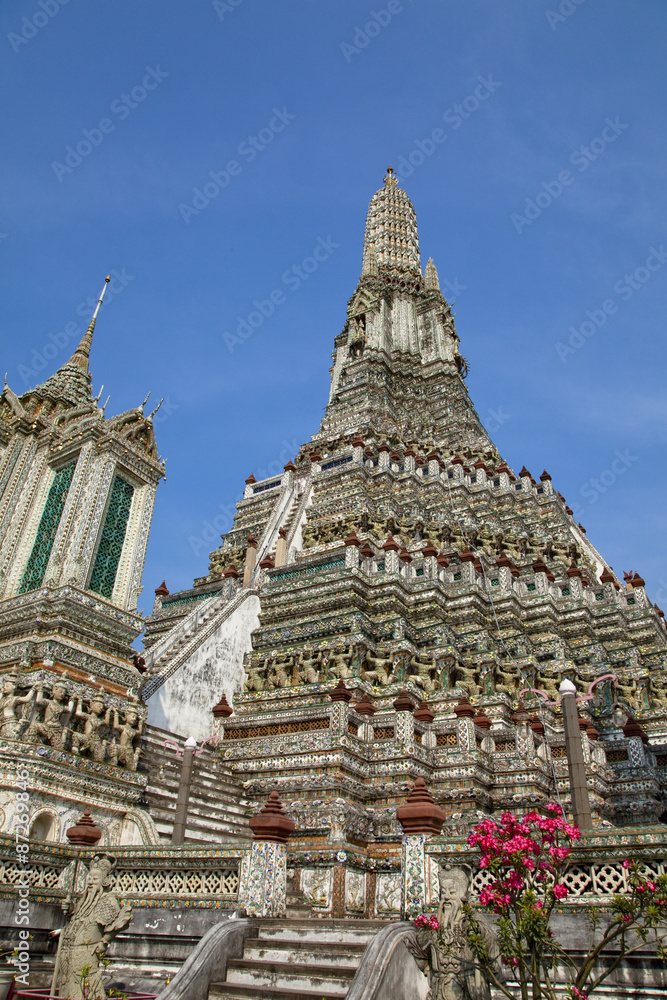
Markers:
<point>581,807</point>
<point>250,559</point>
<point>183,797</point>
<point>281,547</point>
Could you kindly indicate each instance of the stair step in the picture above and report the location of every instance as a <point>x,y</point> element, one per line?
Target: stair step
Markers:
<point>287,975</point>
<point>320,931</point>
<point>230,991</point>
<point>344,956</point>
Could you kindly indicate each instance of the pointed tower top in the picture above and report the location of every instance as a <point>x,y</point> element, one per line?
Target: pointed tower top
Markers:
<point>390,180</point>
<point>81,355</point>
<point>431,276</point>
<point>72,384</point>
<point>391,241</point>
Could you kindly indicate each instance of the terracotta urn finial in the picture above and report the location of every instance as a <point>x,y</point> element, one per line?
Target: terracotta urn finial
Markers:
<point>420,814</point>
<point>272,822</point>
<point>86,833</point>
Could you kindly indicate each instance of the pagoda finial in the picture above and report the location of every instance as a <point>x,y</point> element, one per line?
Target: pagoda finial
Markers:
<point>81,356</point>
<point>391,180</point>
<point>431,276</point>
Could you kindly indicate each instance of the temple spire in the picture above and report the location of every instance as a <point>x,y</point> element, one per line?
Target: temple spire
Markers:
<point>391,240</point>
<point>81,355</point>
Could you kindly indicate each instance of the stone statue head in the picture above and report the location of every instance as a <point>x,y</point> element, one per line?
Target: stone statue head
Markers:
<point>97,706</point>
<point>10,682</point>
<point>453,883</point>
<point>131,716</point>
<point>59,692</point>
<point>99,871</point>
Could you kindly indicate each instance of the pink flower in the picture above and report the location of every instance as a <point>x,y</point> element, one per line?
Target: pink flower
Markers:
<point>559,891</point>
<point>626,918</point>
<point>421,921</point>
<point>626,863</point>
<point>652,886</point>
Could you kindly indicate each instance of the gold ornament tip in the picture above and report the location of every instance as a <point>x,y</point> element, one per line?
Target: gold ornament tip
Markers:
<point>107,279</point>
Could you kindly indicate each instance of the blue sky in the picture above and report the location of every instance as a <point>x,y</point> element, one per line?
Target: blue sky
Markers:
<point>311,107</point>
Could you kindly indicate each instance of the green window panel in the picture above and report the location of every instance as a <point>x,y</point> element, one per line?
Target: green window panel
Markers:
<point>103,577</point>
<point>46,532</point>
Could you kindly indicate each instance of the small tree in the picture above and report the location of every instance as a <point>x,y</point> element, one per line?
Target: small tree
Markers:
<point>527,857</point>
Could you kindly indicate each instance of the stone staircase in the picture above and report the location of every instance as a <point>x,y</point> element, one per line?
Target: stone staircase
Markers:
<point>297,959</point>
<point>216,810</point>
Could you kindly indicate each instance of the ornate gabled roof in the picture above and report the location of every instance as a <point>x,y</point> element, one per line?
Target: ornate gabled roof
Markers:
<point>391,240</point>
<point>71,385</point>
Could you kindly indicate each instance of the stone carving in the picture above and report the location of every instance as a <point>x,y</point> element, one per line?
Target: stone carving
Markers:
<point>382,668</point>
<point>96,918</point>
<point>309,666</point>
<point>94,723</point>
<point>316,886</point>
<point>446,954</point>
<point>126,751</point>
<point>52,731</point>
<point>10,723</point>
<point>388,894</point>
<point>339,662</point>
<point>355,892</point>
<point>71,723</point>
<point>423,670</point>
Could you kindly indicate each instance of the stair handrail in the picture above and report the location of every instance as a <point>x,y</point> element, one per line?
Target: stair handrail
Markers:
<point>170,664</point>
<point>382,960</point>
<point>207,962</point>
<point>300,507</point>
<point>283,506</point>
<point>155,652</point>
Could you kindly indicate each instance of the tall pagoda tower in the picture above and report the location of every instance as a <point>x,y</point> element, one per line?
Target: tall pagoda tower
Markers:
<point>77,491</point>
<point>401,603</point>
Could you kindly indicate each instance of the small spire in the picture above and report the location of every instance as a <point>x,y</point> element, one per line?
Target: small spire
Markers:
<point>82,354</point>
<point>391,180</point>
<point>431,276</point>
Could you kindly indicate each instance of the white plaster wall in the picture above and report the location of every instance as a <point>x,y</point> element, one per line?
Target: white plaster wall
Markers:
<point>183,704</point>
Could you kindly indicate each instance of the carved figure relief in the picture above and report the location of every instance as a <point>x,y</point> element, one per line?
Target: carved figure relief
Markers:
<point>95,920</point>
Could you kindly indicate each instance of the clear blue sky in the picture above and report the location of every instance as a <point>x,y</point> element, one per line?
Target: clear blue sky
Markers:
<point>350,101</point>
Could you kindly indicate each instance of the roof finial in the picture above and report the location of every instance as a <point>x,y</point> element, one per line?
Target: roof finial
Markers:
<point>390,179</point>
<point>82,353</point>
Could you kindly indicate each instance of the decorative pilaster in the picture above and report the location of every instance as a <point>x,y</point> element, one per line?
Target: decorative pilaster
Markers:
<point>465,713</point>
<point>263,874</point>
<point>404,732</point>
<point>420,818</point>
